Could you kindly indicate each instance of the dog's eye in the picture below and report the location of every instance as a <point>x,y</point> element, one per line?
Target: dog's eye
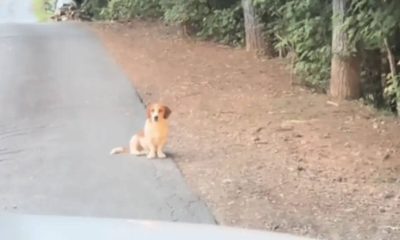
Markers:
<point>160,110</point>
<point>152,110</point>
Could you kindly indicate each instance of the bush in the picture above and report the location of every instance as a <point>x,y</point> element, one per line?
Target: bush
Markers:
<point>188,13</point>
<point>93,7</point>
<point>127,9</point>
<point>303,28</point>
<point>225,26</point>
<point>220,21</point>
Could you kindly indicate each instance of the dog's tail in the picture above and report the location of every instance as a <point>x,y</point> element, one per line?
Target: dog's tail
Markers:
<point>118,150</point>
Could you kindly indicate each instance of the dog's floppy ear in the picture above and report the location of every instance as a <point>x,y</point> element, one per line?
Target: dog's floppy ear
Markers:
<point>148,111</point>
<point>167,112</point>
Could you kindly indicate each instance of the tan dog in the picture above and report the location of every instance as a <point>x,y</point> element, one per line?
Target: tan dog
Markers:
<point>152,139</point>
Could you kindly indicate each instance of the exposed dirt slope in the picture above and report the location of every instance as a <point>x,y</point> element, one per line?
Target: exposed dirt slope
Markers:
<point>262,153</point>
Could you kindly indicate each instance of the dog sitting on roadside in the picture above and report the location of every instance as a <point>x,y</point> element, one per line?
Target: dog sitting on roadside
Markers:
<point>152,139</point>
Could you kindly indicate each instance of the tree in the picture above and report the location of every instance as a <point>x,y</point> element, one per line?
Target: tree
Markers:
<point>345,65</point>
<point>254,29</point>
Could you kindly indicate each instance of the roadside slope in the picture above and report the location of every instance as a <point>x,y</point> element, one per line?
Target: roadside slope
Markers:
<point>263,154</point>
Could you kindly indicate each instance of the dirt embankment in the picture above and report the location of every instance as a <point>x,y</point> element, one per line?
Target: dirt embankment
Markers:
<point>262,153</point>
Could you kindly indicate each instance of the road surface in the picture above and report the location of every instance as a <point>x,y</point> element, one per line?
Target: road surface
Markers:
<point>64,104</point>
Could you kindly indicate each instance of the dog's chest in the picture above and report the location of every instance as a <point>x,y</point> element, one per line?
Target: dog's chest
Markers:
<point>156,131</point>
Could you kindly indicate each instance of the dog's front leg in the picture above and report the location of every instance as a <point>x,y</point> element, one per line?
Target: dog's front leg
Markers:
<point>160,148</point>
<point>152,151</point>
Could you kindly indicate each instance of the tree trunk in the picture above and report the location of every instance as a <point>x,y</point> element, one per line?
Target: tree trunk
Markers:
<point>345,67</point>
<point>254,29</point>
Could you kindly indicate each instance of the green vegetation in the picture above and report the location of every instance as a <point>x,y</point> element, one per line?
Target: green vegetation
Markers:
<point>348,48</point>
<point>41,10</point>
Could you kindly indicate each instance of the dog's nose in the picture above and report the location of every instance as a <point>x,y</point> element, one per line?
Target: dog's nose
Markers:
<point>156,118</point>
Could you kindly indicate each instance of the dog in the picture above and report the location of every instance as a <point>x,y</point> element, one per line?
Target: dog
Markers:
<point>152,139</point>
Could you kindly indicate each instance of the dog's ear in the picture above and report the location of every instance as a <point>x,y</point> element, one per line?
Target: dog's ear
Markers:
<point>167,112</point>
<point>148,111</point>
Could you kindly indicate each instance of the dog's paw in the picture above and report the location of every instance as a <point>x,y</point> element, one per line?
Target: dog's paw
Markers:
<point>151,155</point>
<point>139,153</point>
<point>161,155</point>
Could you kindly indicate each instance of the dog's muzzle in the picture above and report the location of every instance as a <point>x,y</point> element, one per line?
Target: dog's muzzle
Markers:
<point>155,118</point>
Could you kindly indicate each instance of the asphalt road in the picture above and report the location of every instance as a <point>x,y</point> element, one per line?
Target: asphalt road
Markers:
<point>64,104</point>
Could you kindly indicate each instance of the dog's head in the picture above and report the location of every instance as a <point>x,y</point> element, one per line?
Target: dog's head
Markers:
<point>157,112</point>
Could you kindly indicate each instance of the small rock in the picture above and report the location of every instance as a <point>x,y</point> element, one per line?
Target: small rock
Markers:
<point>350,210</point>
<point>300,168</point>
<point>256,139</point>
<point>258,130</point>
<point>285,139</point>
<point>298,135</point>
<point>285,127</point>
<point>389,195</point>
<point>227,181</point>
<point>386,157</point>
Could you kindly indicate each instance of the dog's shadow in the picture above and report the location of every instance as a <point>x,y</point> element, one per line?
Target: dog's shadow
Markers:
<point>169,155</point>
